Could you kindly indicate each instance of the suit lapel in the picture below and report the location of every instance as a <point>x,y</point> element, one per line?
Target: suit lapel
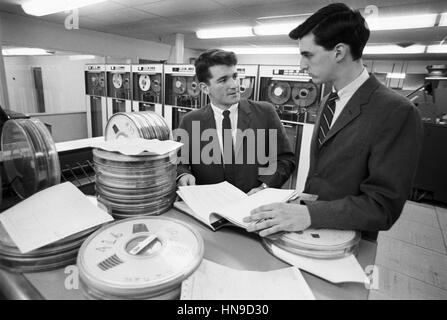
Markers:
<point>243,122</point>
<point>353,108</point>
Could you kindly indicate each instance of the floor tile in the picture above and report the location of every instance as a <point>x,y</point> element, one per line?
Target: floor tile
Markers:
<point>418,234</point>
<point>416,262</point>
<point>394,285</point>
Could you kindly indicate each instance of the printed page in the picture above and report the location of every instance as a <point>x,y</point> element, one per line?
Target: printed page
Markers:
<point>213,281</point>
<point>136,146</point>
<point>205,199</point>
<point>51,215</point>
<point>346,269</point>
<point>235,212</point>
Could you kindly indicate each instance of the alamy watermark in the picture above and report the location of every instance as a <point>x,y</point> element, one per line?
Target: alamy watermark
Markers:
<point>72,20</point>
<point>253,146</point>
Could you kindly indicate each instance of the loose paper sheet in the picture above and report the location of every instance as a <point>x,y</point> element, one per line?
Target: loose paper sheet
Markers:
<point>213,281</point>
<point>346,269</point>
<point>51,215</point>
<point>137,146</point>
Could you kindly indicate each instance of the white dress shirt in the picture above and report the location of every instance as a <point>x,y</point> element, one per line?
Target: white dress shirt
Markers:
<point>218,117</point>
<point>346,93</point>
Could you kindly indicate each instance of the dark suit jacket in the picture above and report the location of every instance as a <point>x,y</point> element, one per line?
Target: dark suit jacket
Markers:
<point>363,171</point>
<point>245,176</point>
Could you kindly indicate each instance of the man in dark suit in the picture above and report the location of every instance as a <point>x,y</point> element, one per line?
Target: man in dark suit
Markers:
<point>257,152</point>
<point>366,139</point>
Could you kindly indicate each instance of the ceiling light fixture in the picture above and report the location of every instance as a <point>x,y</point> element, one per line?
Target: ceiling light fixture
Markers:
<point>437,48</point>
<point>269,29</point>
<point>25,52</point>
<point>263,50</point>
<point>443,20</point>
<point>393,49</point>
<point>395,75</point>
<point>44,7</point>
<point>403,22</point>
<point>230,32</point>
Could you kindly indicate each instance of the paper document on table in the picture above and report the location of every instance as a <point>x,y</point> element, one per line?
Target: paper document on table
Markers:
<point>213,202</point>
<point>204,199</point>
<point>239,210</point>
<point>346,269</point>
<point>51,215</point>
<point>213,281</point>
<point>136,146</point>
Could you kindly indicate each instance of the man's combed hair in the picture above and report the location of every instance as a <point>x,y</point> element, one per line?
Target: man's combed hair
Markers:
<point>213,57</point>
<point>334,24</point>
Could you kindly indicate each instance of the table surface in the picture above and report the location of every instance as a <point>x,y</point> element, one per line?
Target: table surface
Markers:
<point>230,246</point>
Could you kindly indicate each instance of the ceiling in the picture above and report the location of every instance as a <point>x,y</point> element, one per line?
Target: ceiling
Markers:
<point>160,20</point>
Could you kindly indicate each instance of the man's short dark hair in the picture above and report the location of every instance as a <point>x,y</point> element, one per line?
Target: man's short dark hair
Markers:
<point>213,57</point>
<point>334,24</point>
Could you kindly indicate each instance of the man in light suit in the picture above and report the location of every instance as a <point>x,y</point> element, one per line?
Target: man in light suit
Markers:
<point>366,139</point>
<point>225,121</point>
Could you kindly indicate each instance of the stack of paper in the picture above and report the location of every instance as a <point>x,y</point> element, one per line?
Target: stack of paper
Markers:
<point>212,281</point>
<point>51,215</point>
<point>136,146</point>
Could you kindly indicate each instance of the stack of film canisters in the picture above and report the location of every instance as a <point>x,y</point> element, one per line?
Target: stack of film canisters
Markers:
<point>141,185</point>
<point>49,257</point>
<point>145,124</point>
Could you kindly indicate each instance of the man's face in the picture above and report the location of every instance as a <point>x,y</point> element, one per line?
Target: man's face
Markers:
<point>319,62</point>
<point>223,86</point>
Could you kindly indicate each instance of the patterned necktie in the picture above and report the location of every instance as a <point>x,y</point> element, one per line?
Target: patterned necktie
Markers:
<point>326,117</point>
<point>227,146</point>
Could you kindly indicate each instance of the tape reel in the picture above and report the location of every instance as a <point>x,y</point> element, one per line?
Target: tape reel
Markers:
<point>117,80</point>
<point>29,156</point>
<point>156,83</point>
<point>144,82</point>
<point>304,94</point>
<point>317,243</point>
<point>139,258</point>
<point>192,85</point>
<point>279,92</point>
<point>179,85</point>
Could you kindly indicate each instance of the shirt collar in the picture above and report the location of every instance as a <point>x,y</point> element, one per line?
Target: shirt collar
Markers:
<point>219,111</point>
<point>349,90</point>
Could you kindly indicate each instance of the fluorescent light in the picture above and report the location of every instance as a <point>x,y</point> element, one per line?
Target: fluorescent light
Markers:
<point>81,57</point>
<point>403,22</point>
<point>25,52</point>
<point>395,75</point>
<point>437,48</point>
<point>268,29</point>
<point>443,20</point>
<point>264,50</point>
<point>393,49</point>
<point>44,7</point>
<point>231,32</point>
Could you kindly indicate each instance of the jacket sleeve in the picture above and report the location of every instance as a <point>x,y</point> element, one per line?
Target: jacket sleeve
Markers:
<point>284,160</point>
<point>392,166</point>
<point>184,154</point>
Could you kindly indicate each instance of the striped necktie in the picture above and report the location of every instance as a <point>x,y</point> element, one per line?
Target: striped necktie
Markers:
<point>326,117</point>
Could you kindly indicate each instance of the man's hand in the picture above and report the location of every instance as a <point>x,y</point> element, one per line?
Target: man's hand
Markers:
<point>186,180</point>
<point>278,217</point>
<point>254,190</point>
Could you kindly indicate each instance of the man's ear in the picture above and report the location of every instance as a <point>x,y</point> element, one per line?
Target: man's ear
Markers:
<point>204,87</point>
<point>341,50</point>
